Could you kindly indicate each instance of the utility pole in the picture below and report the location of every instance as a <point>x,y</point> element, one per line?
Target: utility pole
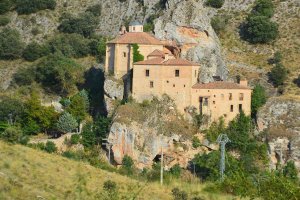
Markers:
<point>222,140</point>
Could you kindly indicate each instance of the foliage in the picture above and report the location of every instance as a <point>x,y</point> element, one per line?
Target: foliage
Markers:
<point>33,6</point>
<point>95,10</point>
<point>34,51</point>
<point>59,74</point>
<point>297,81</point>
<point>290,171</point>
<point>50,147</point>
<point>278,75</point>
<point>102,127</point>
<point>148,27</point>
<point>11,110</point>
<point>127,165</point>
<point>264,8</point>
<point>79,106</point>
<point>11,46</point>
<point>258,99</point>
<point>5,6</point>
<point>97,47</point>
<point>259,29</point>
<point>276,59</point>
<point>176,171</point>
<point>88,136</point>
<point>4,20</point>
<point>215,3</point>
<point>136,53</point>
<point>75,139</point>
<point>196,142</point>
<point>12,135</point>
<point>66,123</point>
<point>84,25</point>
<point>215,130</point>
<point>179,194</point>
<point>219,23</point>
<point>110,191</point>
<point>25,76</point>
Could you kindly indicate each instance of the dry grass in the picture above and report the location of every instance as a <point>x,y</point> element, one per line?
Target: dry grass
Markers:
<point>30,174</point>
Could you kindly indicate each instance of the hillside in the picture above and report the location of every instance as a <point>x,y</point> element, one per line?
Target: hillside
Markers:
<point>29,174</point>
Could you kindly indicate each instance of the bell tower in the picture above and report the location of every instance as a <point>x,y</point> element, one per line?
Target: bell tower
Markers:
<point>136,27</point>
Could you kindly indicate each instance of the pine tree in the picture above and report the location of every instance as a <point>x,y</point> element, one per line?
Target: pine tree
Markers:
<point>66,123</point>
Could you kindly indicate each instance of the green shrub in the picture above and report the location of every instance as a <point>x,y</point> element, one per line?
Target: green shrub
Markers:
<point>12,135</point>
<point>50,147</point>
<point>259,29</point>
<point>196,142</point>
<point>24,76</point>
<point>88,136</point>
<point>219,23</point>
<point>75,139</point>
<point>70,45</point>
<point>79,106</point>
<point>136,53</point>
<point>84,25</point>
<point>264,8</point>
<point>95,10</point>
<point>176,171</point>
<point>110,191</point>
<point>127,165</point>
<point>5,6</point>
<point>67,123</point>
<point>33,6</point>
<point>258,99</point>
<point>11,110</point>
<point>290,171</point>
<point>278,75</point>
<point>11,46</point>
<point>215,3</point>
<point>97,47</point>
<point>4,20</point>
<point>34,51</point>
<point>179,194</point>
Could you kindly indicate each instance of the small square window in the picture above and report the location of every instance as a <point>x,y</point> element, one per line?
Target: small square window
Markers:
<point>214,102</point>
<point>167,81</point>
<point>173,85</point>
<point>231,108</point>
<point>147,72</point>
<point>183,85</point>
<point>151,84</point>
<point>241,96</point>
<point>230,96</point>
<point>240,107</point>
<point>124,54</point>
<point>177,73</point>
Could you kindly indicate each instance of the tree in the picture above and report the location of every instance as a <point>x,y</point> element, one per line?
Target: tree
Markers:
<point>215,130</point>
<point>11,46</point>
<point>12,135</point>
<point>259,29</point>
<point>4,20</point>
<point>264,8</point>
<point>258,99</point>
<point>176,170</point>
<point>88,136</point>
<point>278,75</point>
<point>127,164</point>
<point>136,53</point>
<point>79,106</point>
<point>215,3</point>
<point>66,123</point>
<point>5,6</point>
<point>34,51</point>
<point>25,76</point>
<point>102,126</point>
<point>11,110</point>
<point>59,74</point>
<point>219,23</point>
<point>290,171</point>
<point>33,6</point>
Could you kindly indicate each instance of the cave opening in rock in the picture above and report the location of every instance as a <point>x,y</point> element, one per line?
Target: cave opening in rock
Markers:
<point>206,32</point>
<point>157,158</point>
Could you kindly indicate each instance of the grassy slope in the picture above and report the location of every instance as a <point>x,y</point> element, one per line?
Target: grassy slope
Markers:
<point>26,173</point>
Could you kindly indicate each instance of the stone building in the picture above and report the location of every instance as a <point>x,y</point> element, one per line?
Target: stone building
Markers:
<point>163,72</point>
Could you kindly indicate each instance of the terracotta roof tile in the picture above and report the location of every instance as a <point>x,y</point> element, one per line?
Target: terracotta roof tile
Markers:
<point>136,38</point>
<point>220,85</point>
<point>172,62</point>
<point>157,52</point>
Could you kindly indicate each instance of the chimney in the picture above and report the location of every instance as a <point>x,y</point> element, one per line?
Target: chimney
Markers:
<point>244,82</point>
<point>166,56</point>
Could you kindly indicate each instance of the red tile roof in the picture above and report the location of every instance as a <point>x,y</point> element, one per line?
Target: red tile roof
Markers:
<point>220,85</point>
<point>136,38</point>
<point>157,52</point>
<point>172,62</point>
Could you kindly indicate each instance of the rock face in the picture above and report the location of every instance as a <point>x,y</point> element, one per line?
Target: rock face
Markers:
<point>188,23</point>
<point>281,118</point>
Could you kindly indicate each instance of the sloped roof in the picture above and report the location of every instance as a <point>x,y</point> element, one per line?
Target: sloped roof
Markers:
<point>136,38</point>
<point>157,52</point>
<point>171,62</point>
<point>220,85</point>
<point>135,23</point>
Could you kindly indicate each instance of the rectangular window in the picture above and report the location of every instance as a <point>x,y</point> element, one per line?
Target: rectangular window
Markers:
<point>205,102</point>
<point>147,72</point>
<point>230,96</point>
<point>240,107</point>
<point>231,108</point>
<point>241,95</point>
<point>151,84</point>
<point>124,54</point>
<point>176,73</point>
<point>195,73</point>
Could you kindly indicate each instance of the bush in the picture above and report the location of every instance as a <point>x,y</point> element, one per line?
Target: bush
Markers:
<point>297,81</point>
<point>196,142</point>
<point>110,191</point>
<point>290,171</point>
<point>259,29</point>
<point>215,3</point>
<point>4,20</point>
<point>66,123</point>
<point>79,106</point>
<point>88,136</point>
<point>136,53</point>
<point>34,51</point>
<point>264,8</point>
<point>276,59</point>
<point>11,110</point>
<point>50,147</point>
<point>59,74</point>
<point>258,99</point>
<point>11,46</point>
<point>219,23</point>
<point>84,25</point>
<point>75,139</point>
<point>176,171</point>
<point>24,76</point>
<point>5,6</point>
<point>278,75</point>
<point>70,45</point>
<point>97,47</point>
<point>33,6</point>
<point>127,165</point>
<point>12,135</point>
<point>179,194</point>
<point>95,10</point>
